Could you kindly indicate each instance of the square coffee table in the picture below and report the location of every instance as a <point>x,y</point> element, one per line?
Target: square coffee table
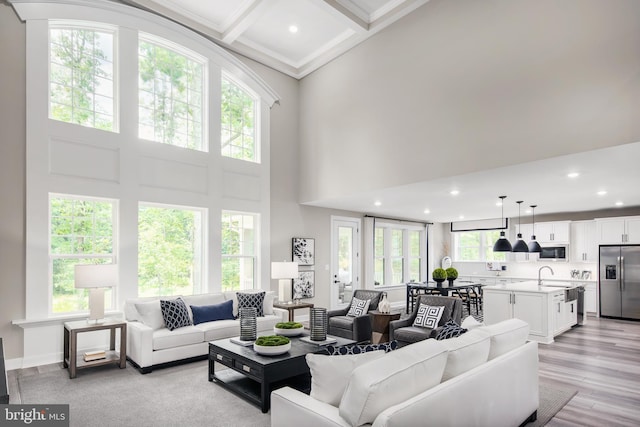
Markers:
<point>253,377</point>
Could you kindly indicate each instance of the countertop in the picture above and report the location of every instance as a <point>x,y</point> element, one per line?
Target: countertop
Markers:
<point>546,279</point>
<point>532,286</point>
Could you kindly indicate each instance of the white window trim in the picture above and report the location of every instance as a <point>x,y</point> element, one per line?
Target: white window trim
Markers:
<point>257,259</point>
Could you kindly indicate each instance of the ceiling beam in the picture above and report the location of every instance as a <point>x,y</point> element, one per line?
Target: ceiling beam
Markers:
<point>244,20</point>
<point>348,14</point>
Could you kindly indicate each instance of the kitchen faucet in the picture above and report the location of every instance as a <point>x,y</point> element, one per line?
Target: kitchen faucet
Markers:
<point>540,271</point>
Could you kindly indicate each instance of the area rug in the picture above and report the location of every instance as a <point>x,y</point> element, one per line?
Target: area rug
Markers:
<point>552,400</point>
<point>176,396</point>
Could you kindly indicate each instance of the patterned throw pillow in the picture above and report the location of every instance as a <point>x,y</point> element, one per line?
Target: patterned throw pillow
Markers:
<point>249,300</point>
<point>175,313</point>
<point>450,330</point>
<point>357,349</point>
<point>428,316</point>
<point>359,307</point>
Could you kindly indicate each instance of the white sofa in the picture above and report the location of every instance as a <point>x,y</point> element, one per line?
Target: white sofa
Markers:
<point>150,344</point>
<point>486,377</point>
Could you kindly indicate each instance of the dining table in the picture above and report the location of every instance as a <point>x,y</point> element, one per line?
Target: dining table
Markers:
<point>460,289</point>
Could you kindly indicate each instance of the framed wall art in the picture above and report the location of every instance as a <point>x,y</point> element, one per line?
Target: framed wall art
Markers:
<point>304,251</point>
<point>304,285</point>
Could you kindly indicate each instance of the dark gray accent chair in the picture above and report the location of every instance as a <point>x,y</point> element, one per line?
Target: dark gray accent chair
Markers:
<point>405,333</point>
<point>354,328</point>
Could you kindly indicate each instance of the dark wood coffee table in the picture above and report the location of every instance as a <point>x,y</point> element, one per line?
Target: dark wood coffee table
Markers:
<point>253,377</point>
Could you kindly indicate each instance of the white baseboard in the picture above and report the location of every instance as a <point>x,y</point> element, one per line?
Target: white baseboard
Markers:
<point>13,364</point>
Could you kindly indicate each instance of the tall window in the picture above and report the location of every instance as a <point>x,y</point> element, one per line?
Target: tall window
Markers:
<point>398,253</point>
<point>379,256</point>
<point>239,242</point>
<point>81,231</point>
<point>477,246</point>
<point>170,95</point>
<point>170,250</point>
<point>238,125</point>
<point>81,76</point>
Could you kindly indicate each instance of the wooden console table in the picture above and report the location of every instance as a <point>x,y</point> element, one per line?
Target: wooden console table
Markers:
<point>74,361</point>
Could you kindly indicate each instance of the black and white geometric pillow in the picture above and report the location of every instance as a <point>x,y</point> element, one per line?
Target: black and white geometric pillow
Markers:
<point>450,330</point>
<point>428,316</point>
<point>357,349</point>
<point>253,299</point>
<point>175,313</point>
<point>359,307</point>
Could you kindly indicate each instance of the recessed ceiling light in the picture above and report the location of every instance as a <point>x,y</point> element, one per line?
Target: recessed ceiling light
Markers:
<point>377,203</point>
<point>602,193</point>
<point>293,29</point>
<point>619,204</point>
<point>461,217</point>
<point>528,211</point>
<point>454,192</point>
<point>498,204</point>
<point>573,175</point>
<point>427,211</point>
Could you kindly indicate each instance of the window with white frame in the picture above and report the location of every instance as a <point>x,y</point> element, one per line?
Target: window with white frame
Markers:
<point>171,94</point>
<point>170,250</point>
<point>476,246</point>
<point>398,254</point>
<point>238,122</point>
<point>81,74</point>
<point>239,253</point>
<point>82,230</point>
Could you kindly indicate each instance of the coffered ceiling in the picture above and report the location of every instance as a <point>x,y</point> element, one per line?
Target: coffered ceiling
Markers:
<point>292,36</point>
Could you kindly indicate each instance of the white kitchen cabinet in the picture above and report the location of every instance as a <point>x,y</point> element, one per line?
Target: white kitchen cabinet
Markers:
<point>584,241</point>
<point>531,307</point>
<point>618,230</point>
<point>564,313</point>
<point>591,298</point>
<point>556,232</point>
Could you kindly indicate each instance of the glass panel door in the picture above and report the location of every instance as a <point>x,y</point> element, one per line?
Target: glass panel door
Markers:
<point>345,260</point>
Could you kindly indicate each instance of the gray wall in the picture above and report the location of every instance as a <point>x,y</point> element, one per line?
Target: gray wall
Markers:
<point>12,179</point>
<point>466,85</point>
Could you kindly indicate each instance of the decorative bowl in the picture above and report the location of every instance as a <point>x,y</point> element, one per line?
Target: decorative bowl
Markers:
<point>271,350</point>
<point>288,332</point>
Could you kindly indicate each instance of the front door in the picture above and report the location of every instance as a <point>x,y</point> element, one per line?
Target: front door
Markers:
<point>345,260</point>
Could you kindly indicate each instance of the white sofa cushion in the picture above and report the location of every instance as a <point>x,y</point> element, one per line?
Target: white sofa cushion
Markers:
<point>467,351</point>
<point>231,328</point>
<point>330,374</point>
<point>470,322</point>
<point>164,338</point>
<point>394,378</point>
<point>506,335</point>
<point>150,313</point>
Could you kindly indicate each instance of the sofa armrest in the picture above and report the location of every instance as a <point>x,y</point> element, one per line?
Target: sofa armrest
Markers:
<point>292,408</point>
<point>140,344</point>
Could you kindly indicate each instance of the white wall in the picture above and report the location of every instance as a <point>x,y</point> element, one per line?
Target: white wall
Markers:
<point>466,85</point>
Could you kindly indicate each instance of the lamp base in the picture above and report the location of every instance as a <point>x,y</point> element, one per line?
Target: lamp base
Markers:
<point>96,304</point>
<point>284,291</point>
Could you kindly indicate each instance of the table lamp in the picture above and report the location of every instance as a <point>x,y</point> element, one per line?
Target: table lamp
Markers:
<point>284,271</point>
<point>96,277</point>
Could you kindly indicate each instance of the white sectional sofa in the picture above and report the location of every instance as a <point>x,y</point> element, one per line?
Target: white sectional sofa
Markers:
<point>485,377</point>
<point>150,344</point>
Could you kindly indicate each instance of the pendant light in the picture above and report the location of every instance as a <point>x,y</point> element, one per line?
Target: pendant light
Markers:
<point>502,244</point>
<point>533,245</point>
<point>521,245</point>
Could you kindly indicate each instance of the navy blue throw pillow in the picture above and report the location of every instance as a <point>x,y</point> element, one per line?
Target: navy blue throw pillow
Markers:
<point>362,348</point>
<point>209,313</point>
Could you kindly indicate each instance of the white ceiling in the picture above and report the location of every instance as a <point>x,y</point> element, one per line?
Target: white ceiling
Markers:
<point>544,183</point>
<point>259,29</point>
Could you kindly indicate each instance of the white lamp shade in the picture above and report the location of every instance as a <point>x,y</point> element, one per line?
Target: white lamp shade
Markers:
<point>96,275</point>
<point>284,270</point>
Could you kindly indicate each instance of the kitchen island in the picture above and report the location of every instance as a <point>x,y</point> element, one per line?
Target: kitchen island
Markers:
<point>550,308</point>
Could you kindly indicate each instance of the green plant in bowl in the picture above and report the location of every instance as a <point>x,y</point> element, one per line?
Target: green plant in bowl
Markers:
<point>439,274</point>
<point>272,341</point>
<point>452,273</point>
<point>288,325</point>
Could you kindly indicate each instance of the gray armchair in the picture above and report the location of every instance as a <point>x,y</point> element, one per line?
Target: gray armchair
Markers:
<point>354,328</point>
<point>405,333</point>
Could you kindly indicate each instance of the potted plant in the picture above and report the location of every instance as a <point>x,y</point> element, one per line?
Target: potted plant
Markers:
<point>288,329</point>
<point>439,275</point>
<point>452,274</point>
<point>272,345</point>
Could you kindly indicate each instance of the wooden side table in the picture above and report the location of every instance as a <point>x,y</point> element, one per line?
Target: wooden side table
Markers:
<point>74,360</point>
<point>292,307</point>
<point>380,326</point>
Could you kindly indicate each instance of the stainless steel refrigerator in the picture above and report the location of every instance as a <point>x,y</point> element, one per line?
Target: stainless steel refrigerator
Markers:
<point>619,282</point>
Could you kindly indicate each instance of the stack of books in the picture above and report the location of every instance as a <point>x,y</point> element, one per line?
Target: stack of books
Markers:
<point>94,355</point>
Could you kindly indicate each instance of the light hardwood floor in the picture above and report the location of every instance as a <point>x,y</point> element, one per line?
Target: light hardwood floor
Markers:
<point>602,360</point>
